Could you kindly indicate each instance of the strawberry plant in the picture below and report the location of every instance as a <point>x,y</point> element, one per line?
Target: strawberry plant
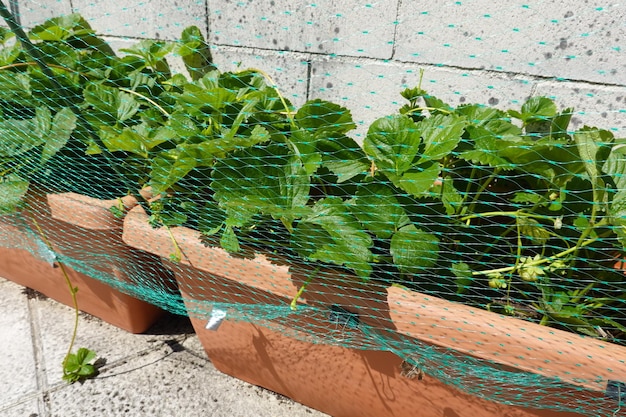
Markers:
<point>64,96</point>
<point>76,103</point>
<point>507,210</point>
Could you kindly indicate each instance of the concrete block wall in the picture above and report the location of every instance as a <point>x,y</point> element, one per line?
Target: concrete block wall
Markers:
<point>363,53</point>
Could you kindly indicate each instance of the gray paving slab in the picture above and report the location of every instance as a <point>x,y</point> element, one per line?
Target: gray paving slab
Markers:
<point>56,321</point>
<point>162,373</point>
<point>26,407</point>
<point>17,357</point>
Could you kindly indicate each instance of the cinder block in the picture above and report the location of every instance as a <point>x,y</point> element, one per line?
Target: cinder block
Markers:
<point>571,40</point>
<point>156,19</point>
<point>34,12</point>
<point>288,70</point>
<point>372,90</point>
<point>602,107</point>
<point>348,27</point>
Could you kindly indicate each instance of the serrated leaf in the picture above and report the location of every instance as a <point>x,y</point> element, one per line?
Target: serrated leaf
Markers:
<point>152,51</point>
<point>555,160</point>
<point>61,28</point>
<point>318,115</point>
<point>378,209</point>
<point>419,181</point>
<point>220,147</point>
<point>63,125</point>
<point>331,234</point>
<point>615,165</point>
<point>435,105</point>
<point>18,136</point>
<point>413,94</point>
<point>110,104</point>
<point>203,102</point>
<point>169,168</point>
<point>229,240</point>
<point>450,197</point>
<point>588,144</point>
<point>440,135</point>
<point>538,107</point>
<point>486,149</point>
<point>262,180</point>
<point>343,157</point>
<point>8,54</point>
<point>479,115</point>
<point>183,125</point>
<point>414,250</point>
<point>129,140</point>
<point>85,355</point>
<point>16,88</point>
<point>464,277</point>
<point>87,370</point>
<point>617,215</point>
<point>12,191</point>
<point>78,366</point>
<point>393,143</point>
<point>304,144</point>
<point>196,53</point>
<point>527,198</point>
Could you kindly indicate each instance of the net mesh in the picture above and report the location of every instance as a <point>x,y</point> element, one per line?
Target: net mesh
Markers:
<point>320,169</point>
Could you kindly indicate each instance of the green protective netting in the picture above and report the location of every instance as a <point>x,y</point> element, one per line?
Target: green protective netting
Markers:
<point>334,151</point>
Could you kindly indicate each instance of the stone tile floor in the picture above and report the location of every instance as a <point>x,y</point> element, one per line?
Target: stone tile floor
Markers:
<point>164,372</point>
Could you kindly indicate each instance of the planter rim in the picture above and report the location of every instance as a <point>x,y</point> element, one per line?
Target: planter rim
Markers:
<point>507,341</point>
<point>95,212</point>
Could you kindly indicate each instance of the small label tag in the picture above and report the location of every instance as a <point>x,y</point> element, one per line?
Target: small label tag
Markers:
<point>217,317</point>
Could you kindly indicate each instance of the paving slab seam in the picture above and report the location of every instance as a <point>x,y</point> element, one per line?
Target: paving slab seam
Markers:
<point>23,400</point>
<point>40,365</point>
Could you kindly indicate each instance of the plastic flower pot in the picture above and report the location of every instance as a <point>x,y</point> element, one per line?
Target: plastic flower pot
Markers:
<point>86,238</point>
<point>357,349</point>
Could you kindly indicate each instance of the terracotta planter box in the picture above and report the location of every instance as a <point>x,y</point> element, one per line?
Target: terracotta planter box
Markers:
<point>87,237</point>
<point>474,362</point>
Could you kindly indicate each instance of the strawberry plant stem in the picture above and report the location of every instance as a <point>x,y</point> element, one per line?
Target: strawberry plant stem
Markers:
<point>542,260</point>
<point>73,290</point>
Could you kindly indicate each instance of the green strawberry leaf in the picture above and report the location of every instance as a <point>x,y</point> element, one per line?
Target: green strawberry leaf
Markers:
<point>12,192</point>
<point>331,234</point>
<point>318,115</point>
<point>393,143</point>
<point>414,250</point>
<point>378,209</point>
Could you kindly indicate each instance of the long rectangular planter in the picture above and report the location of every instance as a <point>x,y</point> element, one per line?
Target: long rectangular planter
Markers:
<point>351,349</point>
<point>87,237</point>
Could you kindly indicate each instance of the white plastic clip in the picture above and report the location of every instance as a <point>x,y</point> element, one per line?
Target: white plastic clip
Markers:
<point>216,319</point>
